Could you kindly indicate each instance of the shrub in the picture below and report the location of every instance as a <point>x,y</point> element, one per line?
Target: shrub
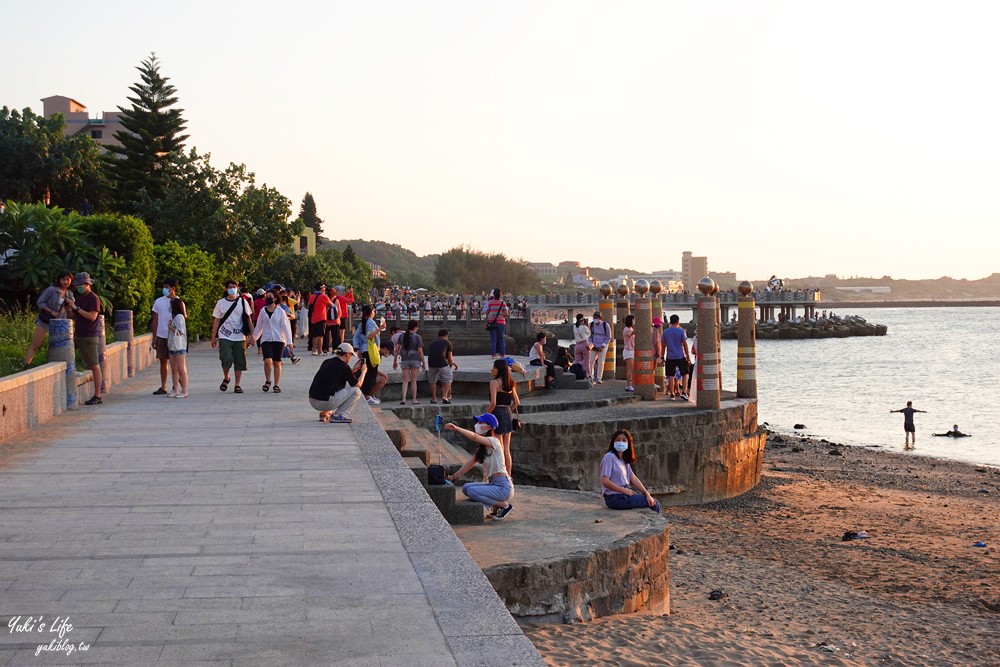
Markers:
<point>199,277</point>
<point>16,328</point>
<point>129,239</point>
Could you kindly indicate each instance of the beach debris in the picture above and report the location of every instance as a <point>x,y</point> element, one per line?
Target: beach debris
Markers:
<point>854,535</point>
<point>835,452</point>
<point>986,491</point>
<point>823,646</point>
<point>598,520</point>
<point>799,427</point>
<point>717,594</point>
<point>797,449</point>
<point>980,545</point>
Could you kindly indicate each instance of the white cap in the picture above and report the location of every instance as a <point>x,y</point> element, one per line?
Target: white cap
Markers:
<point>346,349</point>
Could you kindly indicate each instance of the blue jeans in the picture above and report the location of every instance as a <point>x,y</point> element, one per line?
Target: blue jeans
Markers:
<point>620,501</point>
<point>498,344</point>
<point>491,493</point>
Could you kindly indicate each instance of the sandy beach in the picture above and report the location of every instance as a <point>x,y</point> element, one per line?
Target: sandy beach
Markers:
<point>915,592</point>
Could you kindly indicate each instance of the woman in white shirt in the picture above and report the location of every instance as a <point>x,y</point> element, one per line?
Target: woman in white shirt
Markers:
<point>274,331</point>
<point>536,357</point>
<point>177,348</point>
<point>582,345</point>
<point>496,492</point>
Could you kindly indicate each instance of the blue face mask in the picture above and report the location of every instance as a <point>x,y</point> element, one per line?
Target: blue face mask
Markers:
<point>231,291</point>
<point>81,289</point>
<point>621,447</point>
<point>166,291</point>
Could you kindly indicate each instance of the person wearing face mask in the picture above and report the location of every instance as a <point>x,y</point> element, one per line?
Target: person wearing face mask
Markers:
<point>231,314</point>
<point>88,334</point>
<point>160,326</point>
<point>274,332</point>
<point>622,489</point>
<point>496,492</point>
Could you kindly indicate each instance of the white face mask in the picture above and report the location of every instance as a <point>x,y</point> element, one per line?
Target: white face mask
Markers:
<point>620,446</point>
<point>231,291</point>
<point>482,429</point>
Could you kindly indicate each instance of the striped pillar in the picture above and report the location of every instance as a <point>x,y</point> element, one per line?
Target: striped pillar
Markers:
<point>607,310</point>
<point>746,351</point>
<point>102,349</point>
<point>709,395</point>
<point>622,308</point>
<point>124,332</point>
<point>659,372</point>
<point>645,360</point>
<point>62,348</point>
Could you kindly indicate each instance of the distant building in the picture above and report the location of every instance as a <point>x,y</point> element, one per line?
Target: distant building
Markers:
<point>871,290</point>
<point>377,272</point>
<point>693,269</point>
<point>670,280</point>
<point>305,243</point>
<point>100,128</point>
<point>547,271</point>
<point>726,280</point>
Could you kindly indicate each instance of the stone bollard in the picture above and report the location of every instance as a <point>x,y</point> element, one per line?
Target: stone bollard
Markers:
<point>645,361</point>
<point>622,308</point>
<point>709,395</point>
<point>102,350</point>
<point>746,350</point>
<point>606,306</point>
<point>62,348</point>
<point>124,332</point>
<point>659,371</point>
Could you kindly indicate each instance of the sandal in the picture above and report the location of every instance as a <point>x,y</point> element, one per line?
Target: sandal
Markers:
<point>237,389</point>
<point>223,386</point>
<point>433,401</point>
<point>267,385</point>
<point>276,390</point>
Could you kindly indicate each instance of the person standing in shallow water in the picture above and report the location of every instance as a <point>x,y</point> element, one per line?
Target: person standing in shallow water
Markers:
<point>908,425</point>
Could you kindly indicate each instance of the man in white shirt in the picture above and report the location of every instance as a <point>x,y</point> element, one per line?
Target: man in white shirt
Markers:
<point>161,318</point>
<point>228,334</point>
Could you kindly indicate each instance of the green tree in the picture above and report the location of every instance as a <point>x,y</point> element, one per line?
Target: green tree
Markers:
<point>128,238</point>
<point>465,270</point>
<point>308,216</point>
<point>39,163</point>
<point>199,277</point>
<point>151,139</point>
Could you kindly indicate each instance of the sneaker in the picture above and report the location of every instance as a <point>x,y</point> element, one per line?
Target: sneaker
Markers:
<point>340,419</point>
<point>373,401</point>
<point>685,397</point>
<point>629,388</point>
<point>181,396</point>
<point>160,392</point>
<point>599,382</point>
<point>502,512</point>
<point>96,400</point>
<point>315,353</point>
<point>296,360</point>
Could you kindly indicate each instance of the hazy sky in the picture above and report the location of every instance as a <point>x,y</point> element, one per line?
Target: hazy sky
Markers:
<point>796,138</point>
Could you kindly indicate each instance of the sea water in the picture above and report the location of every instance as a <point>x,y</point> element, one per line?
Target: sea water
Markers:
<point>945,360</point>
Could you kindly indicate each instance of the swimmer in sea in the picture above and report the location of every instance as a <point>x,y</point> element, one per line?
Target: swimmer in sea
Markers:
<point>908,425</point>
<point>953,433</point>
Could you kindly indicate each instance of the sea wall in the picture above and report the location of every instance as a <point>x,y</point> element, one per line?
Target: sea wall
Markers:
<point>684,457</point>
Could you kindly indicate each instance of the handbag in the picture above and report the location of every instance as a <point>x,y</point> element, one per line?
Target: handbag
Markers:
<point>515,423</point>
<point>374,357</point>
<point>44,316</point>
<point>490,326</point>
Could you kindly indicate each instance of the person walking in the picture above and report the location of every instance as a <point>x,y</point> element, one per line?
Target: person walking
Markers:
<point>334,389</point>
<point>55,302</point>
<point>503,400</point>
<point>274,332</point>
<point>232,334</point>
<point>582,344</point>
<point>621,486</point>
<point>86,311</point>
<point>496,492</point>
<point>677,359</point>
<point>908,426</point>
<point>177,348</point>
<point>409,353</point>
<point>600,337</point>
<point>160,327</point>
<point>440,364</point>
<point>496,312</point>
<point>318,304</point>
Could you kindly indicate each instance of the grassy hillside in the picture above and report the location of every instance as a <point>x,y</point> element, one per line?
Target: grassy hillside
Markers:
<point>403,266</point>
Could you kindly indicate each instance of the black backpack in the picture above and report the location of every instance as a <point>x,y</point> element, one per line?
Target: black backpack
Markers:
<point>577,370</point>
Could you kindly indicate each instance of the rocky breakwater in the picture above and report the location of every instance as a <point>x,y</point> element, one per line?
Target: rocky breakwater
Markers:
<point>825,327</point>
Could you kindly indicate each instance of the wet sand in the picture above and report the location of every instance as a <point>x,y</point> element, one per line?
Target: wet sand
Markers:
<point>916,592</point>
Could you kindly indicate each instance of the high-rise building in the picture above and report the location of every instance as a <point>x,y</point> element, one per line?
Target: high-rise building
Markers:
<point>693,269</point>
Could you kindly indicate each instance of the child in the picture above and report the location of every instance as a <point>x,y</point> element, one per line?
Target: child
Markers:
<point>177,349</point>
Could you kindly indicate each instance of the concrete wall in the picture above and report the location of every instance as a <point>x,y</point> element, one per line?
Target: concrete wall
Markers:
<point>684,458</point>
<point>36,396</point>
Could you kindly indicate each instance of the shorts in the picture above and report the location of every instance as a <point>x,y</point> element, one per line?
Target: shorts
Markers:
<point>628,354</point>
<point>160,344</point>
<point>174,353</point>
<point>409,364</point>
<point>272,350</point>
<point>443,374</point>
<point>909,428</point>
<point>233,353</point>
<point>317,329</point>
<point>88,346</point>
<point>670,366</point>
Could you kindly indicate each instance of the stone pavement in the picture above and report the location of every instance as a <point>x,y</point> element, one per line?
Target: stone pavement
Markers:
<point>232,529</point>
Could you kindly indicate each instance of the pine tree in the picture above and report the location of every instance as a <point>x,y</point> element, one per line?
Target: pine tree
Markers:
<point>307,214</point>
<point>150,141</point>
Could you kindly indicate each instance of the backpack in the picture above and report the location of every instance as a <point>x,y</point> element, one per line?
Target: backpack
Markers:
<point>333,312</point>
<point>577,370</point>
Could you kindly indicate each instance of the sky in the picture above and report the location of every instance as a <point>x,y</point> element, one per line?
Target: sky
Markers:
<point>790,138</point>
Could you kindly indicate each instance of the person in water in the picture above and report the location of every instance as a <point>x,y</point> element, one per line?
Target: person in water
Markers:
<point>908,425</point>
<point>953,433</point>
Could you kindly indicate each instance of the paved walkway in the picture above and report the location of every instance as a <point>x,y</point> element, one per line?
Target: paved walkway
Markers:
<point>232,529</point>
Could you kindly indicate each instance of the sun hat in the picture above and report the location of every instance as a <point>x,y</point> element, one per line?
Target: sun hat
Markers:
<point>82,278</point>
<point>657,321</point>
<point>346,349</point>
<point>488,419</point>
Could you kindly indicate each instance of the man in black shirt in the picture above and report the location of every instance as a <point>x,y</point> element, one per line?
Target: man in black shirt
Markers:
<point>440,363</point>
<point>908,425</point>
<point>335,387</point>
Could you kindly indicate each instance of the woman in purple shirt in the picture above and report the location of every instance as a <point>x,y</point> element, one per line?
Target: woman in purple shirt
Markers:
<point>622,488</point>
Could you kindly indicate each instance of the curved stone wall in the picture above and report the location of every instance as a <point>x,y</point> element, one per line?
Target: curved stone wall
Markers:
<point>684,457</point>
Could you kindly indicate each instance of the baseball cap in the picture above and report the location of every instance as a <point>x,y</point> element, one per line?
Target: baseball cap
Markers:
<point>598,314</point>
<point>488,419</point>
<point>346,349</point>
<point>82,278</point>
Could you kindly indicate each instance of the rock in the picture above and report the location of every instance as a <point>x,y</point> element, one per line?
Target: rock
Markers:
<point>797,449</point>
<point>799,427</point>
<point>717,594</point>
<point>835,452</point>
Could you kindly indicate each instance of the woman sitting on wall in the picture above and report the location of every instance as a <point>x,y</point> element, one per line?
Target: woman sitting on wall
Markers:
<point>622,488</point>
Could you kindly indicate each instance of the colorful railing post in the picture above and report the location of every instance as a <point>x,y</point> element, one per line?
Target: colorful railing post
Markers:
<point>659,372</point>
<point>606,306</point>
<point>622,308</point>
<point>62,348</point>
<point>709,389</point>
<point>746,350</point>
<point>124,333</point>
<point>645,360</point>
<point>102,349</point>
